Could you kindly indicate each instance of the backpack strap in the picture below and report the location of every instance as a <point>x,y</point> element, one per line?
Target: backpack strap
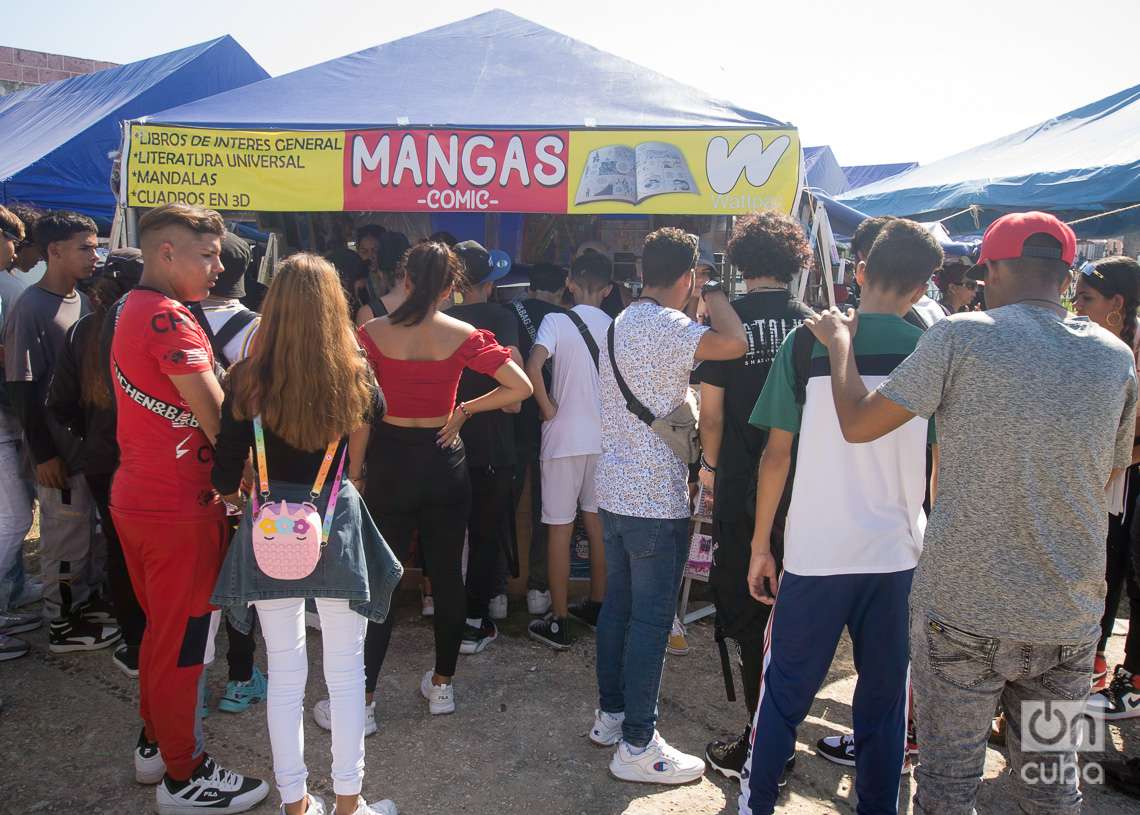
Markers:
<point>233,326</point>
<point>587,337</point>
<point>227,332</point>
<point>635,407</point>
<point>803,341</point>
<point>915,318</point>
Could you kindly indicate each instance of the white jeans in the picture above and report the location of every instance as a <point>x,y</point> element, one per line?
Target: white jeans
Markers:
<point>15,520</point>
<point>342,633</point>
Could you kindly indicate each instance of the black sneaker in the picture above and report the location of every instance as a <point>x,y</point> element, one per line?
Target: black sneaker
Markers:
<point>97,610</point>
<point>837,749</point>
<point>728,757</point>
<point>1120,700</point>
<point>77,634</point>
<point>550,630</point>
<point>126,659</point>
<point>476,639</point>
<point>587,612</point>
<point>210,789</point>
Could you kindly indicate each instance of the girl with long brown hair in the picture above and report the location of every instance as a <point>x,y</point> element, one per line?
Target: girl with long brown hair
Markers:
<point>301,401</point>
<point>417,478</point>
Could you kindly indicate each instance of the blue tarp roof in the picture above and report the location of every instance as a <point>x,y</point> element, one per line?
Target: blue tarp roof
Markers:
<point>844,220</point>
<point>492,70</point>
<point>860,175</point>
<point>1085,160</point>
<point>56,138</point>
<point>822,170</point>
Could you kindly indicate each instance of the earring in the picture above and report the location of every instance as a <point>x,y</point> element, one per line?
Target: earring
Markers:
<point>1117,322</point>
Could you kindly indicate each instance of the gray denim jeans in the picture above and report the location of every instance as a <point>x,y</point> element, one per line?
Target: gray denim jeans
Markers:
<point>958,680</point>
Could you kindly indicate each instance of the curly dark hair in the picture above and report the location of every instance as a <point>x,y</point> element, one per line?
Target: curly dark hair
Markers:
<point>768,244</point>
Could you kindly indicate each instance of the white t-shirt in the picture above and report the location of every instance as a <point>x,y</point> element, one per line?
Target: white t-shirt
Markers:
<point>576,429</point>
<point>638,475</point>
<point>217,315</point>
<point>31,277</point>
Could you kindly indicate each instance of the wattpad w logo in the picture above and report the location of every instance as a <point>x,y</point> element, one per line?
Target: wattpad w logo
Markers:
<point>724,166</point>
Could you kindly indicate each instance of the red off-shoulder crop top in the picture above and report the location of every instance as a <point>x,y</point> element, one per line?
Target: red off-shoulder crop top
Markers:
<point>424,388</point>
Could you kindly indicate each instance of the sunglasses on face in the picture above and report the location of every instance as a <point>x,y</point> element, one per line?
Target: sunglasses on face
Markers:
<point>16,239</point>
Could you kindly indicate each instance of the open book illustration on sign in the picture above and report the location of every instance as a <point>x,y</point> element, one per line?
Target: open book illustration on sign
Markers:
<point>632,174</point>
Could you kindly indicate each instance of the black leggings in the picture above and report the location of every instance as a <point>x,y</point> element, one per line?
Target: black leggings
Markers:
<point>132,620</point>
<point>488,533</point>
<point>1120,574</point>
<point>413,485</point>
<point>739,616</point>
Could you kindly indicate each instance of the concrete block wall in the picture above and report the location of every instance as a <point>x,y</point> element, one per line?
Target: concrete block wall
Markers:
<point>21,68</point>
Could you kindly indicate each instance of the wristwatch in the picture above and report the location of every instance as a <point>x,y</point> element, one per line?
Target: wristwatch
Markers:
<point>710,287</point>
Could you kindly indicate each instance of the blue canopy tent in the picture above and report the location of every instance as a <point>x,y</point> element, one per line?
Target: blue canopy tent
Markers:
<point>822,170</point>
<point>860,175</point>
<point>845,220</point>
<point>1081,162</point>
<point>58,138</point>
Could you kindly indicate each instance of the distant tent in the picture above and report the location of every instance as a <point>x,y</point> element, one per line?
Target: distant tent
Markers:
<point>860,175</point>
<point>1084,161</point>
<point>57,138</point>
<point>822,170</point>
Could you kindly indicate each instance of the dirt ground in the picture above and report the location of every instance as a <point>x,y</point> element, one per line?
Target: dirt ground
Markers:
<point>517,743</point>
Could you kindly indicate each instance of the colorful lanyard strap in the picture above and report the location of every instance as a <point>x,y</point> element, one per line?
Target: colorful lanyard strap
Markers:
<point>318,484</point>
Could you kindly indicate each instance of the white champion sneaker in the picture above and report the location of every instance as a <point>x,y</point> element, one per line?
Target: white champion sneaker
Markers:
<point>537,602</point>
<point>606,731</point>
<point>658,764</point>
<point>149,766</point>
<point>322,715</point>
<point>441,698</point>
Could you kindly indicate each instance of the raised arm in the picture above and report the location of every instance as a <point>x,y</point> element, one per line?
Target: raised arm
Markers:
<point>513,387</point>
<point>725,339</point>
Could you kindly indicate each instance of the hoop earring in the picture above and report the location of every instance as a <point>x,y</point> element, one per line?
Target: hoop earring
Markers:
<point>1119,321</point>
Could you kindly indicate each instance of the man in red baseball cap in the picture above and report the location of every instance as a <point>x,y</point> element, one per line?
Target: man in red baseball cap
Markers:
<point>1036,410</point>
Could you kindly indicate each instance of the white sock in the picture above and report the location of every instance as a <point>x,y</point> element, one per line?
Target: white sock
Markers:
<point>635,751</point>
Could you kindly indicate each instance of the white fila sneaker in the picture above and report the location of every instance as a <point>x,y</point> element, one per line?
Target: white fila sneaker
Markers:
<point>211,789</point>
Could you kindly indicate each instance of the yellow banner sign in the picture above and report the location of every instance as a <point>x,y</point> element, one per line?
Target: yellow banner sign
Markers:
<point>683,172</point>
<point>299,171</point>
<point>691,172</point>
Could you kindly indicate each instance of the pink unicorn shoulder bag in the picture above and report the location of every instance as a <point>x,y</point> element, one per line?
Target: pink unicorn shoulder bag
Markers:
<point>287,537</point>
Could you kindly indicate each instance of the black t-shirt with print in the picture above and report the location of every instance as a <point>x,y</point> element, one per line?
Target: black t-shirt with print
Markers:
<point>768,317</point>
<point>489,437</point>
<point>528,425</point>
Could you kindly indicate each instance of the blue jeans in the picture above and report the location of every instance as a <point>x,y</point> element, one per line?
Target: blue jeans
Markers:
<point>645,559</point>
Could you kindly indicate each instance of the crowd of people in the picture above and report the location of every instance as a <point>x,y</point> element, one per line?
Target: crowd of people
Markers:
<point>949,482</point>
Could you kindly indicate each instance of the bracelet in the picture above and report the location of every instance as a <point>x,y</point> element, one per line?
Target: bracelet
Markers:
<point>705,465</point>
<point>463,409</point>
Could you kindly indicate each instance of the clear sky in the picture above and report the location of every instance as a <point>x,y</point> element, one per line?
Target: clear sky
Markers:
<point>879,80</point>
